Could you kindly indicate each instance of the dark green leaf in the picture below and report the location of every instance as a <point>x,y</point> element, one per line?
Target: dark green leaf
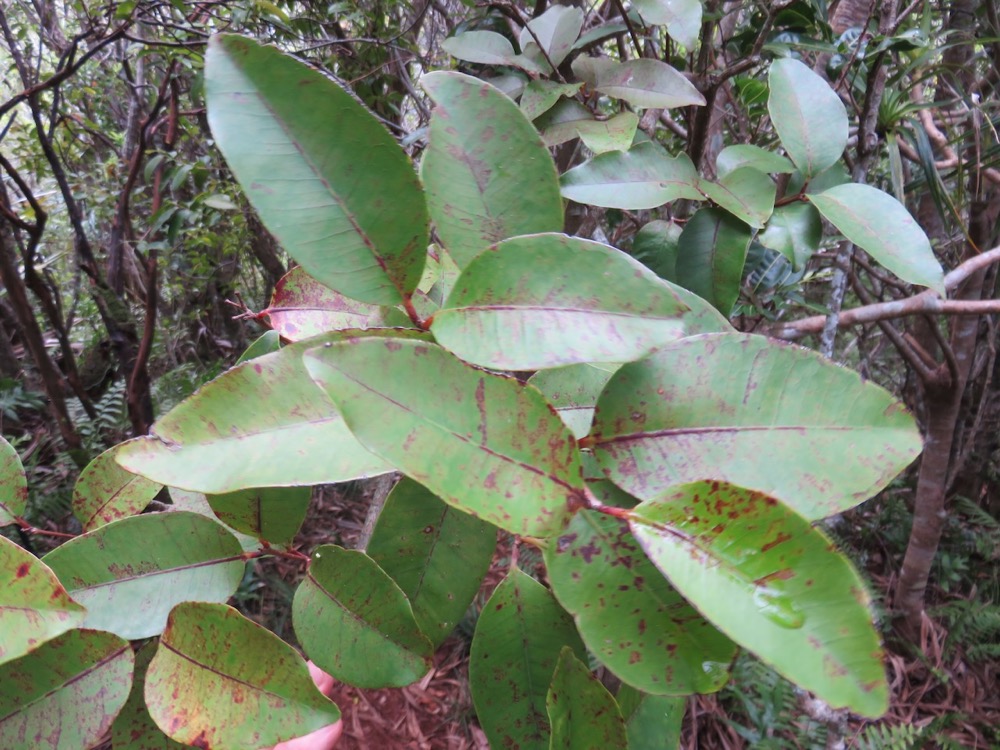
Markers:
<point>13,484</point>
<point>746,193</point>
<point>795,231</point>
<point>134,728</point>
<point>582,713</point>
<point>272,514</point>
<point>711,252</point>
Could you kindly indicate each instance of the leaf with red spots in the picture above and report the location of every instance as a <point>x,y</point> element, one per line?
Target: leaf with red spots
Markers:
<point>106,492</point>
<point>356,624</point>
<point>302,307</point>
<point>772,417</point>
<point>487,175</point>
<point>13,484</point>
<point>34,606</point>
<point>134,728</point>
<point>260,424</point>
<point>129,586</point>
<point>515,649</point>
<point>220,681</point>
<point>66,694</point>
<point>271,514</point>
<point>773,584</point>
<point>436,554</point>
<point>631,619</point>
<point>547,300</point>
<point>481,442</point>
<point>653,722</point>
<point>582,713</point>
<point>573,392</point>
<point>327,179</point>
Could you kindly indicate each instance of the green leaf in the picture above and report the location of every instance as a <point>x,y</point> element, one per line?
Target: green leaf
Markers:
<point>211,442</point>
<point>744,409</point>
<point>655,246</point>
<point>302,307</point>
<point>631,619</point>
<point>583,714</point>
<point>518,638</point>
<point>881,225</point>
<point>795,231</point>
<point>34,606</point>
<point>220,680</point>
<point>810,118</point>
<point>481,442</point>
<point>641,83</point>
<point>613,134</point>
<point>486,172</point>
<point>540,96</point>
<point>572,391</point>
<point>272,514</point>
<point>134,728</point>
<point>483,47</point>
<point>562,122</point>
<point>326,178</point>
<point>106,492</point>
<point>197,502</point>
<point>681,17</point>
<point>436,554</point>
<point>711,252</point>
<point>547,300</point>
<point>267,343</point>
<point>643,177</point>
<point>773,584</point>
<point>130,587</point>
<point>555,30</point>
<point>356,624</point>
<point>653,722</point>
<point>746,193</point>
<point>65,694</point>
<point>13,484</point>
<point>732,158</point>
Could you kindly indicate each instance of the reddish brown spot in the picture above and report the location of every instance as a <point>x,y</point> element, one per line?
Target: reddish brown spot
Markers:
<point>22,569</point>
<point>634,657</point>
<point>780,538</point>
<point>258,369</point>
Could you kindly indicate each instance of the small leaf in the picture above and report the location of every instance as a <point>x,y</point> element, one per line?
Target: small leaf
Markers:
<point>562,122</point>
<point>301,308</point>
<point>211,442</point>
<point>810,118</point>
<point>655,245</point>
<point>66,694</point>
<point>129,587</point>
<point>746,193</point>
<point>436,554</point>
<point>643,177</point>
<point>540,96</point>
<point>34,606</point>
<point>518,638</point>
<point>744,409</point>
<point>134,728</point>
<point>547,300</point>
<point>13,484</point>
<point>106,492</point>
<point>555,30</point>
<point>732,158</point>
<point>795,231</point>
<point>653,722</point>
<point>711,253</point>
<point>327,179</point>
<point>355,623</point>
<point>481,442</point>
<point>483,47</point>
<point>271,514</point>
<point>267,343</point>
<point>641,83</point>
<point>631,619</point>
<point>486,172</point>
<point>881,225</point>
<point>583,714</point>
<point>681,17</point>
<point>614,134</point>
<point>572,391</point>
<point>773,584</point>
<point>219,680</point>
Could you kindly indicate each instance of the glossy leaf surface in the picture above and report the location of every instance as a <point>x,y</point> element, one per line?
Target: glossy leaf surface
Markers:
<point>732,158</point>
<point>481,442</point>
<point>881,225</point>
<point>34,605</point>
<point>631,619</point>
<point>105,492</point>
<point>773,584</point>
<point>273,514</point>
<point>436,554</point>
<point>486,172</point>
<point>64,695</point>
<point>483,47</point>
<point>356,624</point>
<point>795,231</point>
<point>743,409</point>
<point>548,300</point>
<point>554,31</point>
<point>643,177</point>
<point>129,588</point>
<point>711,252</point>
<point>13,484</point>
<point>810,118</point>
<point>326,178</point>
<point>516,647</point>
<point>202,690</point>
<point>582,713</point>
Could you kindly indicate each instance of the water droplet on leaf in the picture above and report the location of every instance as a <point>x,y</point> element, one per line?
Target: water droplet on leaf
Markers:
<point>778,607</point>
